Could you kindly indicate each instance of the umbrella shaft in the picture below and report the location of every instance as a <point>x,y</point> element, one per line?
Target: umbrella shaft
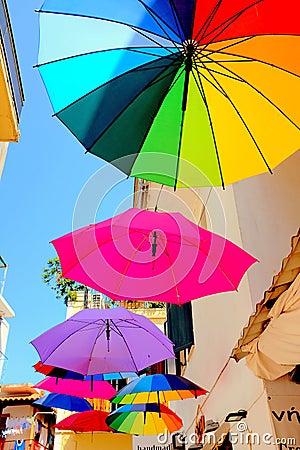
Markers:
<point>188,68</point>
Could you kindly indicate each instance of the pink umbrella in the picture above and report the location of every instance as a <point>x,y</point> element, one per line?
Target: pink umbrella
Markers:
<point>78,388</point>
<point>145,255</point>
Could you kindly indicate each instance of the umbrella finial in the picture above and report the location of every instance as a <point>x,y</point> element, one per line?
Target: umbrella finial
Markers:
<point>154,243</point>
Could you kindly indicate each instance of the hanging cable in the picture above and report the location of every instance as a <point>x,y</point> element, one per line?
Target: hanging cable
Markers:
<point>204,206</point>
<point>211,390</point>
<point>158,197</point>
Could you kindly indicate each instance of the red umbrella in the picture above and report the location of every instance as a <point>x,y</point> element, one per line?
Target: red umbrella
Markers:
<point>85,421</point>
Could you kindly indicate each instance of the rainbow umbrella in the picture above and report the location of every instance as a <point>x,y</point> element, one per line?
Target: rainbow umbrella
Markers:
<point>204,91</point>
<point>144,419</point>
<point>160,388</point>
<point>152,256</point>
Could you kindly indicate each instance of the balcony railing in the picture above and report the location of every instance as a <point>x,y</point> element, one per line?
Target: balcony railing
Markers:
<point>8,45</point>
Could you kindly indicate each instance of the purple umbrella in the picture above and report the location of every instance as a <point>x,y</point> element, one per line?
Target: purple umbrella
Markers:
<point>102,341</point>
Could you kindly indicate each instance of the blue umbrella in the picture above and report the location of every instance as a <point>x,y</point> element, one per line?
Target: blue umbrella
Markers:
<point>69,402</point>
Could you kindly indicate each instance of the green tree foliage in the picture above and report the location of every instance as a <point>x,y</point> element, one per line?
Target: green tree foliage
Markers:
<point>64,288</point>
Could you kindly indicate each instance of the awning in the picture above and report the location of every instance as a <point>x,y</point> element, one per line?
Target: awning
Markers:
<point>277,350</point>
<point>278,299</point>
<point>13,393</point>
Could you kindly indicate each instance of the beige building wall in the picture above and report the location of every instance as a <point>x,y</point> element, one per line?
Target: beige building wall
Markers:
<point>3,152</point>
<point>99,441</point>
<point>5,312</point>
<point>261,215</point>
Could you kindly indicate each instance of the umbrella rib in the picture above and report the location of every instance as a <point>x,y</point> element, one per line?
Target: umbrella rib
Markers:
<point>259,92</point>
<point>64,339</point>
<point>201,89</point>
<point>232,44</point>
<point>140,68</point>
<point>151,39</point>
<point>151,333</point>
<point>153,115</point>
<point>224,93</point>
<point>173,274</point>
<point>250,59</point>
<point>155,18</point>
<point>157,79</point>
<point>128,264</point>
<point>133,27</point>
<point>140,50</point>
<point>179,148</point>
<point>228,22</point>
<point>130,353</point>
<point>210,71</point>
<point>177,18</point>
<point>91,251</point>
<point>217,266</point>
<point>208,21</point>
<point>125,342</point>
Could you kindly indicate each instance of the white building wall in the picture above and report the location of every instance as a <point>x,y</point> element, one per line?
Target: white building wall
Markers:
<point>3,152</point>
<point>269,215</point>
<point>4,330</point>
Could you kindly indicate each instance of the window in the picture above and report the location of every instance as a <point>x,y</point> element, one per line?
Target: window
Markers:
<point>180,330</point>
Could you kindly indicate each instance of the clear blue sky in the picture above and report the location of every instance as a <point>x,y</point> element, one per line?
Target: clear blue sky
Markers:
<point>42,179</point>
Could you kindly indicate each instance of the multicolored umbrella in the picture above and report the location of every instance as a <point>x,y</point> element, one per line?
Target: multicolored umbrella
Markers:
<point>153,256</point>
<point>144,419</point>
<point>65,374</point>
<point>204,91</point>
<point>79,388</point>
<point>103,341</point>
<point>158,388</point>
<point>62,401</point>
<point>87,421</point>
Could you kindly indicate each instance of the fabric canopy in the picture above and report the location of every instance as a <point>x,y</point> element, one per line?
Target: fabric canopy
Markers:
<point>277,350</point>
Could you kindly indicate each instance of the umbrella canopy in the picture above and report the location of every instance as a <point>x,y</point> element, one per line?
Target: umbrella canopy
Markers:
<point>103,341</point>
<point>159,388</point>
<point>144,419</point>
<point>62,401</point>
<point>211,83</point>
<point>65,374</point>
<point>87,421</point>
<point>153,256</point>
<point>79,388</point>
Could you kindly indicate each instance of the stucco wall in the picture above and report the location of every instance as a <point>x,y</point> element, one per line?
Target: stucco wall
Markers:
<point>269,215</point>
